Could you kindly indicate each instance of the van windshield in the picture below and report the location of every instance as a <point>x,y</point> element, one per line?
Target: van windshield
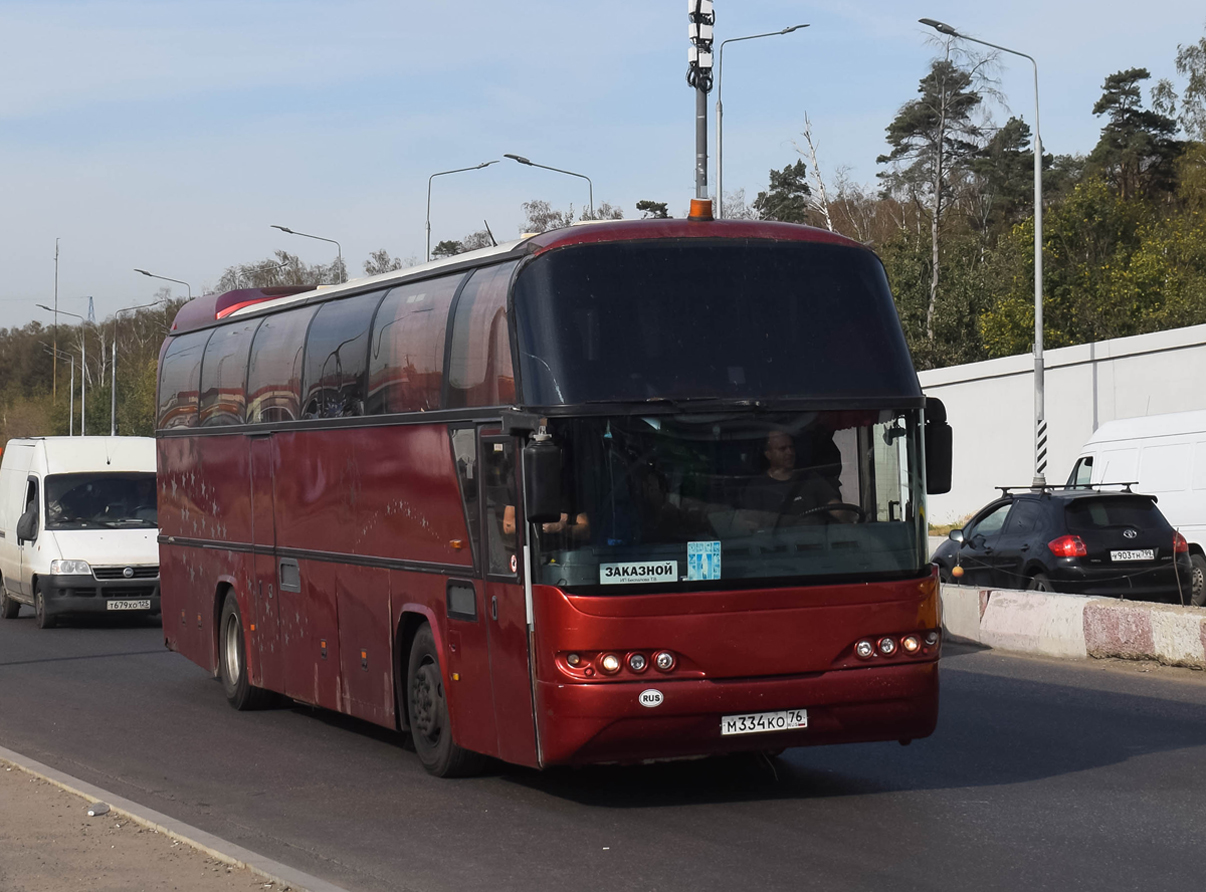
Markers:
<point>101,500</point>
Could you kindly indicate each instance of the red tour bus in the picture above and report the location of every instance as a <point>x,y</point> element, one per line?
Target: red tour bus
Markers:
<point>617,492</point>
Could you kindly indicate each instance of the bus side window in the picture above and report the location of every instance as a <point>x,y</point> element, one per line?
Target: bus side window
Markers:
<point>480,371</point>
<point>224,374</point>
<point>499,485</point>
<point>406,356</point>
<point>180,380</point>
<point>337,356</point>
<point>464,454</point>
<point>275,368</point>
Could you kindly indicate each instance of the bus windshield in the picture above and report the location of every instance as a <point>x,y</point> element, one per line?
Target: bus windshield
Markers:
<point>709,318</point>
<point>89,501</point>
<point>689,500</point>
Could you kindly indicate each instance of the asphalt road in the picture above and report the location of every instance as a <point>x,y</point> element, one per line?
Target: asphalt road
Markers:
<point>1042,775</point>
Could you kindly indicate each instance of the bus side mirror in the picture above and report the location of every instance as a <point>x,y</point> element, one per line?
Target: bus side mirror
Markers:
<point>542,481</point>
<point>27,526</point>
<point>938,448</point>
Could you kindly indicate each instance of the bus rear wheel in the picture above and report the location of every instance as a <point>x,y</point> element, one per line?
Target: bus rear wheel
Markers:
<point>232,660</point>
<point>427,709</point>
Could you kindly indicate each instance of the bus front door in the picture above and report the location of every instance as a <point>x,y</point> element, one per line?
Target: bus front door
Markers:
<point>506,613</point>
<point>266,637</point>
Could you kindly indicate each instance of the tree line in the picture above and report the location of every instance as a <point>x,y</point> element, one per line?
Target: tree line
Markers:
<point>952,218</point>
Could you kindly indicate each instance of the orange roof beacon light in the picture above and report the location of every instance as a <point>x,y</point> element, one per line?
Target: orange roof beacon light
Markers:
<point>701,210</point>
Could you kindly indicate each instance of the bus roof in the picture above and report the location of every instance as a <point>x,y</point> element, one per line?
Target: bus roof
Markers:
<point>203,311</point>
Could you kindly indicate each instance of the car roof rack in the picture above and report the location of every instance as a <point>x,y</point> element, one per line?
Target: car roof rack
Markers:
<point>1070,487</point>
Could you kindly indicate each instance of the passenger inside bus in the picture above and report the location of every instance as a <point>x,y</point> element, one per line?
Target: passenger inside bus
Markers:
<point>784,495</point>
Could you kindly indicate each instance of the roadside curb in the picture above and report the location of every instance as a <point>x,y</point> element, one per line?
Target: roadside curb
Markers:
<point>216,847</point>
<point>1075,627</point>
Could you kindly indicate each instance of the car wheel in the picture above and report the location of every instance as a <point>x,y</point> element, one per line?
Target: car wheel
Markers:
<point>427,708</point>
<point>232,660</point>
<point>8,607</point>
<point>43,621</point>
<point>1040,583</point>
<point>1197,587</point>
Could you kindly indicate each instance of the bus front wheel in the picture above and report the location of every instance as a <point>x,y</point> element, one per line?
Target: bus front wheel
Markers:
<point>232,660</point>
<point>427,708</point>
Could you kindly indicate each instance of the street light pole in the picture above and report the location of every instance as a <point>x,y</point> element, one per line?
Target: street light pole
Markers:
<point>720,110</point>
<point>444,173</point>
<point>590,186</point>
<point>339,248</point>
<point>83,368</point>
<point>701,26</point>
<point>1040,421</point>
<point>113,365</point>
<point>168,279</point>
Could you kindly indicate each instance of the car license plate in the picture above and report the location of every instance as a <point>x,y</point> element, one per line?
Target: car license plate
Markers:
<point>758,722</point>
<point>128,605</point>
<point>1140,554</point>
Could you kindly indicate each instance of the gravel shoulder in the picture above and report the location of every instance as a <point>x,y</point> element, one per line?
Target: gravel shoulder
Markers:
<point>48,844</point>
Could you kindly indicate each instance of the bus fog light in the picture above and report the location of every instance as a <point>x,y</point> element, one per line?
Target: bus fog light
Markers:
<point>887,646</point>
<point>637,663</point>
<point>664,661</point>
<point>931,638</point>
<point>910,644</point>
<point>610,663</point>
<point>574,660</point>
<point>864,650</point>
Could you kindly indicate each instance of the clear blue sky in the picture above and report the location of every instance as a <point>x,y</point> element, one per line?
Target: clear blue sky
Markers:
<point>169,135</point>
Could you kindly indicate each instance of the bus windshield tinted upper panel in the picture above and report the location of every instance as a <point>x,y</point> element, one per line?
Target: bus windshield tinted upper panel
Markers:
<point>698,318</point>
<point>734,499</point>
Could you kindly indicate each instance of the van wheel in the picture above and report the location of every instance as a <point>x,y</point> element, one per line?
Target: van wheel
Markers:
<point>1197,588</point>
<point>427,708</point>
<point>43,621</point>
<point>232,660</point>
<point>8,607</point>
<point>1040,583</point>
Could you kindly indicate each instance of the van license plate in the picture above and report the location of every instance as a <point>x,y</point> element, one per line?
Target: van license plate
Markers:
<point>1141,554</point>
<point>758,722</point>
<point>128,605</point>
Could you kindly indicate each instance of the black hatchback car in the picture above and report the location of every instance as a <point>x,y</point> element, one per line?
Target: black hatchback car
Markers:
<point>1081,541</point>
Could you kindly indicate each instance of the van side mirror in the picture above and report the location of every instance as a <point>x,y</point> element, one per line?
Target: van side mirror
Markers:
<point>938,448</point>
<point>27,526</point>
<point>542,494</point>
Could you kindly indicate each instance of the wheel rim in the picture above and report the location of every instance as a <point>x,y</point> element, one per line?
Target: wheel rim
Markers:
<point>1198,581</point>
<point>425,699</point>
<point>234,657</point>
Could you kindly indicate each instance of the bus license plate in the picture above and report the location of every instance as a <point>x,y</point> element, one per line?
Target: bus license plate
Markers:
<point>128,605</point>
<point>758,722</point>
<point>1140,554</point>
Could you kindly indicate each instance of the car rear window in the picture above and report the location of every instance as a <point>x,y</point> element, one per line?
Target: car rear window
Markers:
<point>1115,511</point>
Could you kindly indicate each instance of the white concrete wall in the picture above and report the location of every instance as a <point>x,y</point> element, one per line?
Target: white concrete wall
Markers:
<point>990,406</point>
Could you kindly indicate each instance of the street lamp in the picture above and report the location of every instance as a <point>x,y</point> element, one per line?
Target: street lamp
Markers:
<point>590,185</point>
<point>444,173</point>
<point>113,364</point>
<point>168,279</point>
<point>83,368</point>
<point>1040,422</point>
<point>720,110</point>
<point>338,247</point>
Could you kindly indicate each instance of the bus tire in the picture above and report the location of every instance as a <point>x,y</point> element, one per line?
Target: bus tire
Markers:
<point>41,618</point>
<point>427,709</point>
<point>232,660</point>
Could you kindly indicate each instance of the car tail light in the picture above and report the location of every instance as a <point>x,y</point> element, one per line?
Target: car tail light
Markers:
<point>1068,546</point>
<point>1180,546</point>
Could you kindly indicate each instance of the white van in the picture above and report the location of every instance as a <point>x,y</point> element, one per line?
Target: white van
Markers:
<point>1165,456</point>
<point>78,527</point>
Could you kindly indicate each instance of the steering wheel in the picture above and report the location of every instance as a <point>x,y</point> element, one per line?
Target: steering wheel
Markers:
<point>837,506</point>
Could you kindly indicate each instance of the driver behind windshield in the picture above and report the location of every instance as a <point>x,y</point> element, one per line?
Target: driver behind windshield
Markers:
<point>785,495</point>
